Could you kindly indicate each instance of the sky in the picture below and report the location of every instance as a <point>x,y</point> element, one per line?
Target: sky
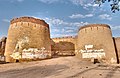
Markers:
<point>64,17</point>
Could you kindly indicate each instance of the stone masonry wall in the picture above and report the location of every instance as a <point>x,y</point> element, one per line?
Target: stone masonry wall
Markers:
<point>117,43</point>
<point>2,45</point>
<point>98,35</point>
<point>64,45</point>
<point>25,33</point>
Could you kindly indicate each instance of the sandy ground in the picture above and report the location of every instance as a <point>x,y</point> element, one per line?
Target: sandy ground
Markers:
<point>62,67</point>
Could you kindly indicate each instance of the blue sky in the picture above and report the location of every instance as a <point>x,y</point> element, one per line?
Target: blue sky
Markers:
<point>64,16</point>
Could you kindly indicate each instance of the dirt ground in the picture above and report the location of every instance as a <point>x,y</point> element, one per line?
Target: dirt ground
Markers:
<point>62,67</point>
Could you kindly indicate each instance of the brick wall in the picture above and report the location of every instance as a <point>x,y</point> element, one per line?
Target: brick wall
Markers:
<point>36,33</point>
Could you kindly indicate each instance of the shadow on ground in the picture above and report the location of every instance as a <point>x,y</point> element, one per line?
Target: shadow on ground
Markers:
<point>110,74</point>
<point>2,62</point>
<point>34,72</point>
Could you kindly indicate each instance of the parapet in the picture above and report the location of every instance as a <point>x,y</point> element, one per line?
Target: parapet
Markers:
<point>95,25</point>
<point>66,37</point>
<point>29,19</point>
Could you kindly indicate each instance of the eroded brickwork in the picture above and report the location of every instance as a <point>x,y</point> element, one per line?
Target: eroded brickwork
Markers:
<point>2,45</point>
<point>98,35</point>
<point>64,45</point>
<point>117,43</point>
<point>25,33</point>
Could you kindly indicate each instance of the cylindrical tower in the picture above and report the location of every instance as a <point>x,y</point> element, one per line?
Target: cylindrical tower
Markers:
<point>25,33</point>
<point>97,37</point>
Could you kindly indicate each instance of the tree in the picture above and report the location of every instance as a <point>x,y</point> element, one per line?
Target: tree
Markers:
<point>114,4</point>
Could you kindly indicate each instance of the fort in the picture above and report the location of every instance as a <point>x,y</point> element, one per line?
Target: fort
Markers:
<point>29,37</point>
<point>98,35</point>
<point>25,33</point>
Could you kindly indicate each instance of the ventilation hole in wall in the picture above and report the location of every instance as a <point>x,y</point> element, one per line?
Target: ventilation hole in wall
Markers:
<point>91,28</point>
<point>28,24</point>
<point>16,24</point>
<point>97,28</point>
<point>17,60</point>
<point>21,23</point>
<point>85,30</point>
<point>35,25</point>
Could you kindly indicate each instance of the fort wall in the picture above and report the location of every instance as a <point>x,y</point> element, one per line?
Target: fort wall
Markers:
<point>98,35</point>
<point>2,45</point>
<point>64,45</point>
<point>117,43</point>
<point>28,34</point>
<point>25,33</point>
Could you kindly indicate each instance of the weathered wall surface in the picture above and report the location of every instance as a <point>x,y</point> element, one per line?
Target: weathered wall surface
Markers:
<point>64,45</point>
<point>2,45</point>
<point>25,33</point>
<point>98,35</point>
<point>117,43</point>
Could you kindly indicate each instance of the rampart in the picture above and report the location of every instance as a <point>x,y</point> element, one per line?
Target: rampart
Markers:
<point>98,35</point>
<point>25,33</point>
<point>64,45</point>
<point>117,46</point>
<point>2,45</point>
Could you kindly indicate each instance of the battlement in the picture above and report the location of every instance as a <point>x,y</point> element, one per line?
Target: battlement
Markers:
<point>66,37</point>
<point>29,19</point>
<point>95,25</point>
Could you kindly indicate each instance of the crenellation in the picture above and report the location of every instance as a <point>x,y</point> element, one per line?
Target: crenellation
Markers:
<point>67,37</point>
<point>29,19</point>
<point>94,25</point>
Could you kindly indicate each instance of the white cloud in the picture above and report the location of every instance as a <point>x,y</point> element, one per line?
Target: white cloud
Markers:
<point>80,16</point>
<point>12,1</point>
<point>88,5</point>
<point>6,20</point>
<point>81,2</point>
<point>76,16</point>
<point>115,27</point>
<point>95,5</point>
<point>20,0</point>
<point>70,31</point>
<point>85,3</point>
<point>54,21</point>
<point>77,2</point>
<point>105,17</point>
<point>57,22</point>
<point>59,28</point>
<point>56,30</point>
<point>91,5</point>
<point>89,15</point>
<point>48,1</point>
<point>63,35</point>
<point>64,28</point>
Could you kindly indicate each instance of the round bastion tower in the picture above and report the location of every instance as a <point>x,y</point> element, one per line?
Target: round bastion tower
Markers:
<point>96,38</point>
<point>27,34</point>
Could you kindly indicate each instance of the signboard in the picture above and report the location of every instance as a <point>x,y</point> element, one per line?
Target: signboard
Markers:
<point>93,55</point>
<point>88,46</point>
